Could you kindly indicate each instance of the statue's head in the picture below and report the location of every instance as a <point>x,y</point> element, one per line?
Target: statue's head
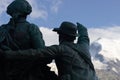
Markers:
<point>19,8</point>
<point>67,31</point>
<point>67,28</point>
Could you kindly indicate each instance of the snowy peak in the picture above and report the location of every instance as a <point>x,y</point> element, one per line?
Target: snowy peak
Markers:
<point>104,51</point>
<point>108,49</point>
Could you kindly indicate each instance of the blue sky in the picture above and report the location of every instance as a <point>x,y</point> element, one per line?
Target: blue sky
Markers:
<point>50,13</point>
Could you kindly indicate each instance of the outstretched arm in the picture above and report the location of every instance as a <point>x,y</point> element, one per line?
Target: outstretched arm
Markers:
<point>48,52</point>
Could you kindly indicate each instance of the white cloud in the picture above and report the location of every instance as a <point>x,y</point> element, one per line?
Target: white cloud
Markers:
<point>41,8</point>
<point>49,36</point>
<point>55,5</point>
<point>3,5</point>
<point>109,32</point>
<point>39,14</point>
<point>38,10</point>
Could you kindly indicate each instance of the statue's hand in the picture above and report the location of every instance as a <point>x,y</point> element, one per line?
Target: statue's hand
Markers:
<point>80,27</point>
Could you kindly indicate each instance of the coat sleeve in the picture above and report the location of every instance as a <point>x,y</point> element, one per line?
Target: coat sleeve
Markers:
<point>83,40</point>
<point>48,52</point>
<point>36,37</point>
<point>83,35</point>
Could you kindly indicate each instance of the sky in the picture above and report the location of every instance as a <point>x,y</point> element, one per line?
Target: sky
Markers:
<point>101,17</point>
<point>50,13</point>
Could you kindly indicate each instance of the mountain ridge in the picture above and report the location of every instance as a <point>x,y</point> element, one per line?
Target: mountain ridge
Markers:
<point>106,58</point>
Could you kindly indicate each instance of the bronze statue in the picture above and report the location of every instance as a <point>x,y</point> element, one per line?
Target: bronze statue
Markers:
<point>19,34</point>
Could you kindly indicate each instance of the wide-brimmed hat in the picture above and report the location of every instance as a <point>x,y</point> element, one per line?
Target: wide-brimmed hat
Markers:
<point>67,28</point>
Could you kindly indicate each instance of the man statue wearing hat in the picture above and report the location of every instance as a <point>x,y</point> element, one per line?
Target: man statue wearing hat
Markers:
<point>73,60</point>
<point>19,34</point>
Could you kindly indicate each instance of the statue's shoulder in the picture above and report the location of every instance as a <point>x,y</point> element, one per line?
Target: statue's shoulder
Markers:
<point>3,28</point>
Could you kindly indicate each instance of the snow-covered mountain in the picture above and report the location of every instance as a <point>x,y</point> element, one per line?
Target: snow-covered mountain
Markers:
<point>106,58</point>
